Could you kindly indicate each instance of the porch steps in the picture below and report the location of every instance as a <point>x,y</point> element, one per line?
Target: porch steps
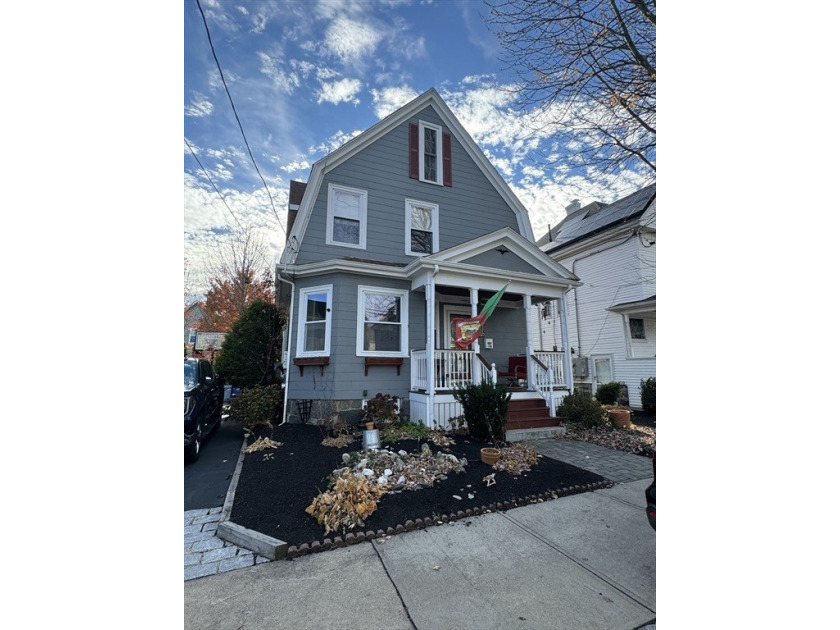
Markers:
<point>529,413</point>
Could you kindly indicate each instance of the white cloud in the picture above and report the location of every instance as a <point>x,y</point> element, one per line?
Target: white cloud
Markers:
<point>334,141</point>
<point>343,91</point>
<point>274,68</point>
<point>294,167</point>
<point>350,40</point>
<point>200,106</point>
<point>391,99</point>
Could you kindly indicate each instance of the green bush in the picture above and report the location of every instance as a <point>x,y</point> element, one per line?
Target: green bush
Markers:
<point>485,409</point>
<point>405,430</point>
<point>581,408</point>
<point>257,405</point>
<point>648,389</point>
<point>252,347</point>
<point>608,393</point>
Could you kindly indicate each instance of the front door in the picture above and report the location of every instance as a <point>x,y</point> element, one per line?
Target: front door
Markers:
<point>603,371</point>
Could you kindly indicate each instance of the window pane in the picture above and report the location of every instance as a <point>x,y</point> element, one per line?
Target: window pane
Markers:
<point>429,141</point>
<point>346,205</point>
<point>421,218</point>
<point>421,242</point>
<point>382,337</point>
<point>430,168</point>
<point>316,307</point>
<point>382,308</point>
<point>637,328</point>
<point>315,337</point>
<point>345,231</point>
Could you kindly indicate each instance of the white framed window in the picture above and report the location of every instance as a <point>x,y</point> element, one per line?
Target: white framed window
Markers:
<point>421,228</point>
<point>382,322</point>
<point>347,217</point>
<point>315,321</point>
<point>431,153</point>
<point>637,328</point>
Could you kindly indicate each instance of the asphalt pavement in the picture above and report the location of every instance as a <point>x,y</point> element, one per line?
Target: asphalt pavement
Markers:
<point>582,561</point>
<point>206,481</point>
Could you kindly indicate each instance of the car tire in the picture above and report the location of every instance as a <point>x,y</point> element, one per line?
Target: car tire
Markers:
<point>194,451</point>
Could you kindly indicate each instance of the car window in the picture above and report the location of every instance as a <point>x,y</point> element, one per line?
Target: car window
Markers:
<point>189,375</point>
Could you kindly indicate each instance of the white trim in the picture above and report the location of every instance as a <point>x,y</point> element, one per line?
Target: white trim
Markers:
<point>362,194</point>
<point>328,288</point>
<point>409,204</point>
<point>360,322</point>
<point>421,126</point>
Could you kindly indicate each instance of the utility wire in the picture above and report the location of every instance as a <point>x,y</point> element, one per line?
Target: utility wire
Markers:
<point>230,98</point>
<point>213,184</point>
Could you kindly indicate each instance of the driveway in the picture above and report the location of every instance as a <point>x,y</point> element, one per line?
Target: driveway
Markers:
<point>583,561</point>
<point>206,481</point>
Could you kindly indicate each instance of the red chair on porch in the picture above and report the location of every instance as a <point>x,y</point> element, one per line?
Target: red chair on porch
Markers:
<point>517,369</point>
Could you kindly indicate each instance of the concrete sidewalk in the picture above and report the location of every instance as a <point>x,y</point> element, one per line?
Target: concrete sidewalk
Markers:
<point>584,561</point>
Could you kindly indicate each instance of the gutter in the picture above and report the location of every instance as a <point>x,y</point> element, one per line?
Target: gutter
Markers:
<point>289,347</point>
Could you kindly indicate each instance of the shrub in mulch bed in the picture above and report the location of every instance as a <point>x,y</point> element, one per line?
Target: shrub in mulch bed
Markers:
<point>273,494</point>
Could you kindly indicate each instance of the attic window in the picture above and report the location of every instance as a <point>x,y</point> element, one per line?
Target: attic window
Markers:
<point>347,217</point>
<point>637,328</point>
<point>430,154</point>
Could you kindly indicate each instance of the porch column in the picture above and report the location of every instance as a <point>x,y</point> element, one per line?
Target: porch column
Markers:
<point>430,351</point>
<point>567,345</point>
<point>476,345</point>
<point>529,350</point>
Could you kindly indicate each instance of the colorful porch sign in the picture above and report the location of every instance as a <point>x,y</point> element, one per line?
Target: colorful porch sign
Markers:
<point>466,330</point>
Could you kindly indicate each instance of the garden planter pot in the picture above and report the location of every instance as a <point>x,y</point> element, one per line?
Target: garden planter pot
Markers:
<point>490,455</point>
<point>619,418</point>
<point>369,425</point>
<point>370,439</point>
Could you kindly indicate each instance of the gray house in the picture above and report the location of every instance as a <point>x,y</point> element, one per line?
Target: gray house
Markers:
<point>397,232</point>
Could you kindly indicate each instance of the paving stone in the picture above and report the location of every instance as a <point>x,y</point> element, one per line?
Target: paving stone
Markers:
<point>191,529</point>
<point>209,518</point>
<point>200,570</point>
<point>191,558</point>
<point>261,559</point>
<point>191,538</point>
<point>239,562</point>
<point>207,545</point>
<point>210,527</point>
<point>215,555</point>
<point>215,510</point>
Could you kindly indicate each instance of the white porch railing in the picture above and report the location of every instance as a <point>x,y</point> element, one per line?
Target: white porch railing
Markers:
<point>452,368</point>
<point>419,373</point>
<point>542,376</point>
<point>553,361</point>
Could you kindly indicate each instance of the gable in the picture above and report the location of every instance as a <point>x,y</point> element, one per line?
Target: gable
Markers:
<point>507,261</point>
<point>478,201</point>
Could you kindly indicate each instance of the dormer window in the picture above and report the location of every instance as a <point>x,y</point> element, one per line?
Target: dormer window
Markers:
<point>429,154</point>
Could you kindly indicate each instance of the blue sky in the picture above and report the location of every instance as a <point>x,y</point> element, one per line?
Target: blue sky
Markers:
<point>307,76</point>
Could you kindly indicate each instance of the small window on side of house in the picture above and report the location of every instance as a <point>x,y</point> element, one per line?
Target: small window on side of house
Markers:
<point>421,228</point>
<point>431,153</point>
<point>637,328</point>
<point>347,217</point>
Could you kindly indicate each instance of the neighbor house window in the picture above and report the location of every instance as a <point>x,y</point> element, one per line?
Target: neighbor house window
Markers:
<point>637,328</point>
<point>421,234</point>
<point>382,324</point>
<point>431,153</point>
<point>346,217</point>
<point>315,321</point>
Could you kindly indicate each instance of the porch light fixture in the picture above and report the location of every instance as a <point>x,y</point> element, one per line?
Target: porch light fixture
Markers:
<point>502,249</point>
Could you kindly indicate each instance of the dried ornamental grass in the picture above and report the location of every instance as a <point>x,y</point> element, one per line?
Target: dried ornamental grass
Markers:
<point>347,503</point>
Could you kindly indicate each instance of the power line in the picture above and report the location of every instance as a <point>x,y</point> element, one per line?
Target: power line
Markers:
<point>230,98</point>
<point>213,184</point>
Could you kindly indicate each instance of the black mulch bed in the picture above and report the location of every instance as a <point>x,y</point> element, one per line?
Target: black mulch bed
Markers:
<point>274,491</point>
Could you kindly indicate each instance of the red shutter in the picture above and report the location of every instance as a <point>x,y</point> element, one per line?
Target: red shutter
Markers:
<point>413,151</point>
<point>447,159</point>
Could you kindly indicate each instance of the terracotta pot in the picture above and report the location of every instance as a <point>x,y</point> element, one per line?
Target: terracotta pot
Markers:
<point>490,455</point>
<point>368,425</point>
<point>620,418</point>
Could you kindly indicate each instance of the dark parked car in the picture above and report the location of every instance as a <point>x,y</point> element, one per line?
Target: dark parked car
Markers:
<point>650,495</point>
<point>204,392</point>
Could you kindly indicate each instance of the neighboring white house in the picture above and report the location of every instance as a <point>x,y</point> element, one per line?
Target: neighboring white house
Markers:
<point>612,316</point>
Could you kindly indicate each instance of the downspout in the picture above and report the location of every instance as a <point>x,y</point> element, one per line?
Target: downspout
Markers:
<point>289,349</point>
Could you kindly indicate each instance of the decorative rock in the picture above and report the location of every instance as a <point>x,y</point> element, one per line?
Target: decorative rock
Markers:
<point>367,472</point>
<point>461,514</point>
<point>379,532</point>
<point>470,495</point>
<point>345,457</point>
<point>327,544</point>
<point>388,472</point>
<point>444,518</point>
<point>425,451</point>
<point>382,479</point>
<point>338,541</point>
<point>292,551</point>
<point>316,547</point>
<point>401,480</point>
<point>370,534</point>
<point>428,522</point>
<point>390,531</point>
<point>418,523</point>
<point>399,529</point>
<point>464,461</point>
<point>455,496</point>
<point>402,453</point>
<point>303,549</point>
<point>409,525</point>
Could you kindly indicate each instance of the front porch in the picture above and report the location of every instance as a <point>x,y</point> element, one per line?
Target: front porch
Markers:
<point>545,384</point>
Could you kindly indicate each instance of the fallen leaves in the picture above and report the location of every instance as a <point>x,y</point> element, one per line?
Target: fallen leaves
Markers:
<point>347,503</point>
<point>516,459</point>
<point>261,444</point>
<point>342,441</point>
<point>636,439</point>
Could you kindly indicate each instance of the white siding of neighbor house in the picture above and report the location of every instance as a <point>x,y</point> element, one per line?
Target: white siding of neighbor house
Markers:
<point>622,271</point>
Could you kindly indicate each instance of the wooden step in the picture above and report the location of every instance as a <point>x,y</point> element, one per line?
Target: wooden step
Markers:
<point>531,423</point>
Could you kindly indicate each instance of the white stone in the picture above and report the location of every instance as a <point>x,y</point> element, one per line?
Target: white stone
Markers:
<point>401,480</point>
<point>367,472</point>
<point>455,496</point>
<point>388,472</point>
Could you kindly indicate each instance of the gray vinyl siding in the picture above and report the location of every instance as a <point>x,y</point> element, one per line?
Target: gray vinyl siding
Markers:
<point>468,209</point>
<point>344,378</point>
<point>508,262</point>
